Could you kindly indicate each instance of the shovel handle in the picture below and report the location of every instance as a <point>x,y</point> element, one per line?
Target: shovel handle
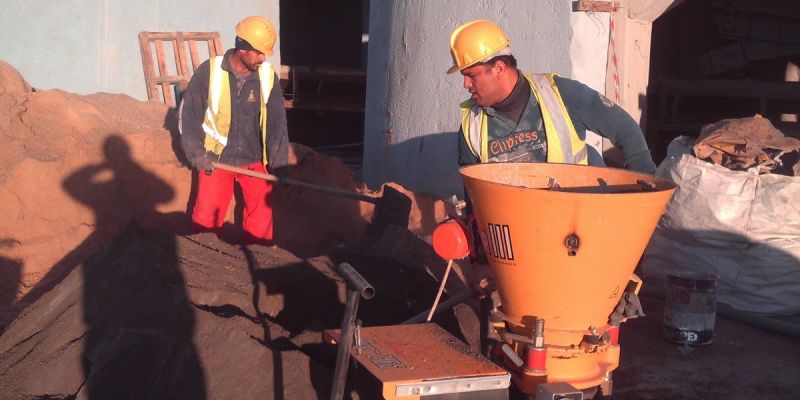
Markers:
<point>293,182</point>
<point>243,171</point>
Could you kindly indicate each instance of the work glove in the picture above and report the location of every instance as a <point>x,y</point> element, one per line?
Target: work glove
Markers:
<point>281,173</point>
<point>203,163</point>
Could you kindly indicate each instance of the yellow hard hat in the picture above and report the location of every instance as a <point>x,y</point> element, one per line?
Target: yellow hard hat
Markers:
<point>474,42</point>
<point>259,32</point>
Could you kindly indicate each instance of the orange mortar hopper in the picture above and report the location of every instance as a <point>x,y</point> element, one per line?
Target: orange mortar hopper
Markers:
<point>562,242</point>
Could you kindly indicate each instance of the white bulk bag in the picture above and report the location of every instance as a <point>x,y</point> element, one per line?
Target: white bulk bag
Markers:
<point>741,226</point>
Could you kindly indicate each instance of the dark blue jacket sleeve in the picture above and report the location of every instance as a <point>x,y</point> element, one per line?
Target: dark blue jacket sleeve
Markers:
<point>191,113</point>
<point>589,110</point>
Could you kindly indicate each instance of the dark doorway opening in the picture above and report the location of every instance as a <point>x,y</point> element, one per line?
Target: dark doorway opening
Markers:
<point>323,52</point>
<point>715,59</point>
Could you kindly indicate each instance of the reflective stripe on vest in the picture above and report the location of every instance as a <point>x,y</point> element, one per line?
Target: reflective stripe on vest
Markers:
<point>474,119</point>
<point>217,120</point>
<point>563,143</point>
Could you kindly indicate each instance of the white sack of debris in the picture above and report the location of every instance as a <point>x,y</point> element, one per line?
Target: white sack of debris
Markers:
<point>742,226</point>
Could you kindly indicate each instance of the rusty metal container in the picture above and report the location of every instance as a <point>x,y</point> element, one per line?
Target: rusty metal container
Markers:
<point>563,242</point>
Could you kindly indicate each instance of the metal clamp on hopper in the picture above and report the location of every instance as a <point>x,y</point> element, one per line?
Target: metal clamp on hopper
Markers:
<point>562,242</point>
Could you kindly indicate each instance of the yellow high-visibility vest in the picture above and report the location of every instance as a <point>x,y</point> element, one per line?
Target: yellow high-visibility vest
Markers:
<point>563,143</point>
<point>217,120</point>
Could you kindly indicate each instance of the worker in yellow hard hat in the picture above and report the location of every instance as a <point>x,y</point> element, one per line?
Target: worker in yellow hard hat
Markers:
<point>513,116</point>
<point>232,112</point>
<point>518,117</point>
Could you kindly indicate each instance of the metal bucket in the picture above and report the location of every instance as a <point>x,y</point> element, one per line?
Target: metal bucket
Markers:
<point>690,308</point>
<point>552,231</point>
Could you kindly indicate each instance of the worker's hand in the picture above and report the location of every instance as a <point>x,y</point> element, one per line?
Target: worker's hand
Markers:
<point>203,163</point>
<point>482,280</point>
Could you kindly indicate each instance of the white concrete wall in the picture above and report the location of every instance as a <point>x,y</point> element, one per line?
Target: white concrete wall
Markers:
<point>412,113</point>
<point>88,46</point>
<point>589,57</point>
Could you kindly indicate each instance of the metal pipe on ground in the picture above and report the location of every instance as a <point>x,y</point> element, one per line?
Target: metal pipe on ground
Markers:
<point>357,287</point>
<point>355,281</point>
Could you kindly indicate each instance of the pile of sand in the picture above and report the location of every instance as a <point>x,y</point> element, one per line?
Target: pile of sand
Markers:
<point>78,168</point>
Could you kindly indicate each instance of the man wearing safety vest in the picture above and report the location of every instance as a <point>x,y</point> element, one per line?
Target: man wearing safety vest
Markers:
<point>232,112</point>
<point>518,117</point>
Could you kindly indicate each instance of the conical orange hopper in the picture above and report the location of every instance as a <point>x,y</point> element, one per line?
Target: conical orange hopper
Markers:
<point>563,242</point>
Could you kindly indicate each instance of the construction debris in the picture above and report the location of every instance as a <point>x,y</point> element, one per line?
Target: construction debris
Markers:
<point>744,143</point>
<point>738,225</point>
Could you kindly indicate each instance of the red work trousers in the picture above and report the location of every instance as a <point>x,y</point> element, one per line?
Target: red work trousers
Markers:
<point>214,194</point>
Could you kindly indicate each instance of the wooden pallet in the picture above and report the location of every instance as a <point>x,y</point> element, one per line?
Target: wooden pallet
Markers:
<point>172,79</point>
<point>313,88</point>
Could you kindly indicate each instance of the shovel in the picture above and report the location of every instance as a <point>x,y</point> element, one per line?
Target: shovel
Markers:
<point>391,208</point>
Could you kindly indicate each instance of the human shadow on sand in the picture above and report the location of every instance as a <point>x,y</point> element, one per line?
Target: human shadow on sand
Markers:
<point>138,321</point>
<point>10,281</point>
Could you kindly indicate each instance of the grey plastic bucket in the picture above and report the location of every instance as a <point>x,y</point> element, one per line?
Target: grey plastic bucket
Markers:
<point>690,308</point>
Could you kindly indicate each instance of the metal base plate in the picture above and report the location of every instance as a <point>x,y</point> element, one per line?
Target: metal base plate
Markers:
<point>423,360</point>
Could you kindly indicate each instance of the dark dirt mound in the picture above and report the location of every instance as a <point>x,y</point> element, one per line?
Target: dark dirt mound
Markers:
<point>157,315</point>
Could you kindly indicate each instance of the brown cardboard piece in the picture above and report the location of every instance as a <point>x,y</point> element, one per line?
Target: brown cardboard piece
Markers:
<point>740,144</point>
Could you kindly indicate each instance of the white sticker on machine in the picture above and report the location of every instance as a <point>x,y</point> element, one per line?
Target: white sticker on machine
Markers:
<point>497,242</point>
